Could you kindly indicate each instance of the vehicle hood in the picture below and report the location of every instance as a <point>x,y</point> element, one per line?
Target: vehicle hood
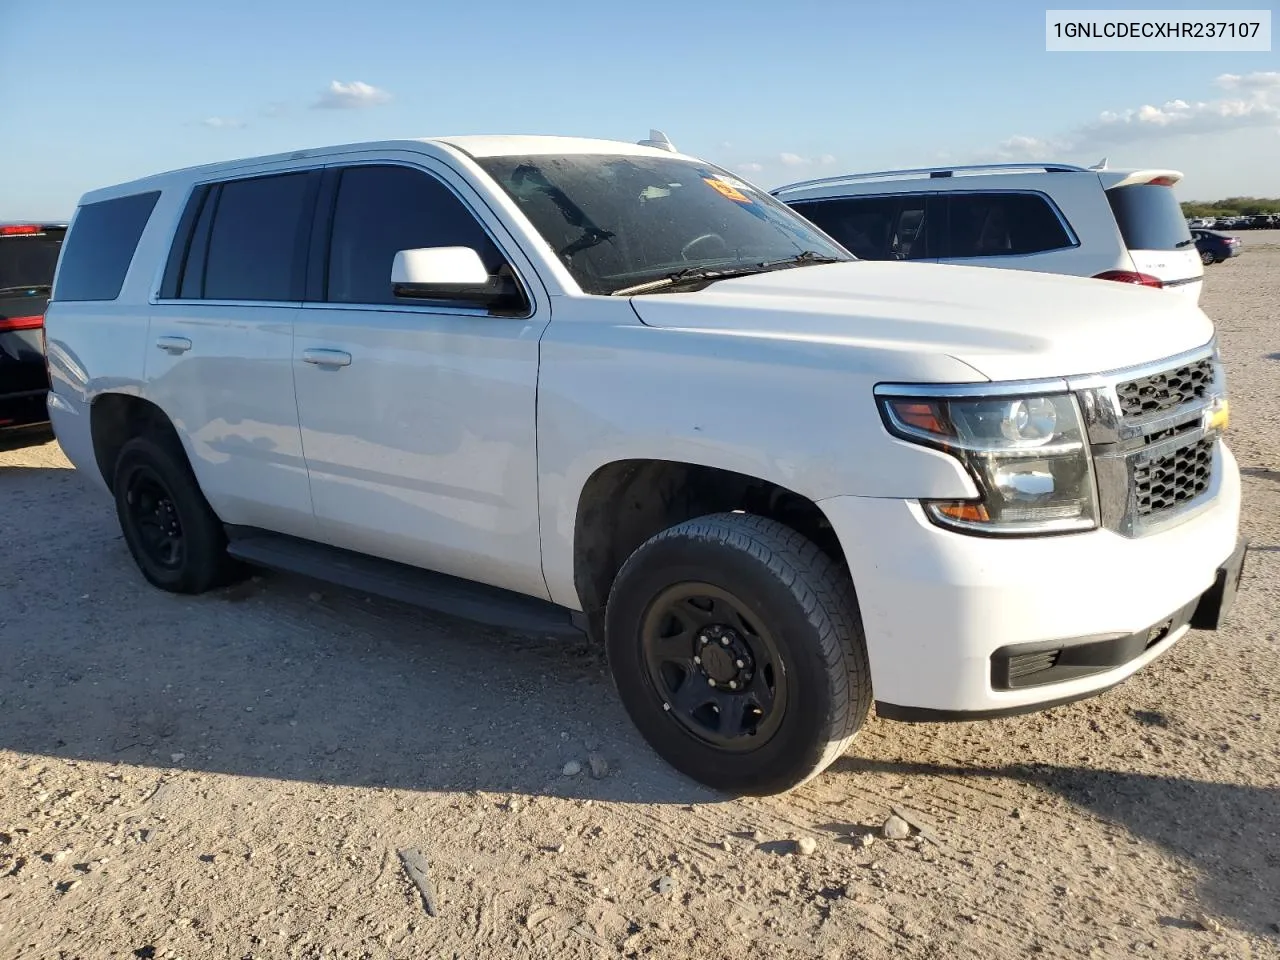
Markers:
<point>1006,324</point>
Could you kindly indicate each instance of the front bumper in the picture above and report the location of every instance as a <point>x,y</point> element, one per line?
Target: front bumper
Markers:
<point>940,610</point>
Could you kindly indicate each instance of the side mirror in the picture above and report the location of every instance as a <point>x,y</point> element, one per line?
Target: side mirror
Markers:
<point>454,274</point>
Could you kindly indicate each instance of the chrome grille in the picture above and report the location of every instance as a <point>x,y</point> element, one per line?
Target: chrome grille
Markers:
<point>1166,390</point>
<point>1153,457</point>
<point>1165,483</point>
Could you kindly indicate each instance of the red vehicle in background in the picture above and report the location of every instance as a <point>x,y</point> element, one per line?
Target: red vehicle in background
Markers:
<point>28,256</point>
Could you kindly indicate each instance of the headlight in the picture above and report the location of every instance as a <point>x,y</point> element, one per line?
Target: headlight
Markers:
<point>1026,454</point>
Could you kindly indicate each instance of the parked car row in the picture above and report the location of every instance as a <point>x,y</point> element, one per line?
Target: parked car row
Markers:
<point>567,384</point>
<point>1260,221</point>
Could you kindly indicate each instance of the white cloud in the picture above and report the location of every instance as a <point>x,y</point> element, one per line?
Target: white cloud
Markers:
<point>750,167</point>
<point>827,159</point>
<point>350,96</point>
<point>1255,103</point>
<point>792,160</point>
<point>1251,81</point>
<point>222,123</point>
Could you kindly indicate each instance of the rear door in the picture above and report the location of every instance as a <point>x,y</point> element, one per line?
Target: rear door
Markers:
<point>1156,235</point>
<point>889,227</point>
<point>220,358</point>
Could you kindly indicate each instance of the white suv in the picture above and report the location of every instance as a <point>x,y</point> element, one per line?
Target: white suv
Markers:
<point>562,384</point>
<point>1123,225</point>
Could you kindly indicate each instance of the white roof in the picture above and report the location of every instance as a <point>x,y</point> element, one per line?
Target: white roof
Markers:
<point>476,146</point>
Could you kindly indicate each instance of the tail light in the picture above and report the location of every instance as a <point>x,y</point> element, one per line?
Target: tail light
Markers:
<point>1129,276</point>
<point>21,323</point>
<point>18,229</point>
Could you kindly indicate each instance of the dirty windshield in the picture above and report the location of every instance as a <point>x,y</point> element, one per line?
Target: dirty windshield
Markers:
<point>619,221</point>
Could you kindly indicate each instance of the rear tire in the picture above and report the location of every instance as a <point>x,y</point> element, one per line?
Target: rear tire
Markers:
<point>738,651</point>
<point>1208,258</point>
<point>175,537</point>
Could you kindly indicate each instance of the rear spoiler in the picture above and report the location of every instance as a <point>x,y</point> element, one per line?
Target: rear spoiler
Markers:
<point>1130,178</point>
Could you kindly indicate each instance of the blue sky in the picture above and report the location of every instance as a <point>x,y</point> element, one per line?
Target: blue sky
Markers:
<point>93,92</point>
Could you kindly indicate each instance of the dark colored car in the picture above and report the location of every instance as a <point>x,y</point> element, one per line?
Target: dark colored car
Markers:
<point>28,255</point>
<point>1214,247</point>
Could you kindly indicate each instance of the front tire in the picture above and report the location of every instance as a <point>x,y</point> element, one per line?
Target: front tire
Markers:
<point>737,650</point>
<point>174,536</point>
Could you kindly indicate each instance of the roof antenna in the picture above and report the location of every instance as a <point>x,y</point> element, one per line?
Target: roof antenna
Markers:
<point>1100,165</point>
<point>658,140</point>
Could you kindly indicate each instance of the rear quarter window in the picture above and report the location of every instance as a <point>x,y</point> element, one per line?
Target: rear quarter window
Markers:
<point>100,246</point>
<point>1149,217</point>
<point>1003,225</point>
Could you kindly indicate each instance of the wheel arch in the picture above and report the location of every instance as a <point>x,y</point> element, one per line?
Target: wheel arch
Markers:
<point>116,418</point>
<point>625,502</point>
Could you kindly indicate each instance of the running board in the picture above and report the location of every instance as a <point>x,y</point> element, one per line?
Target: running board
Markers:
<point>466,599</point>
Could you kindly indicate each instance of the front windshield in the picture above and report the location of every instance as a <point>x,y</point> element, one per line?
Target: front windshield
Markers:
<point>619,221</point>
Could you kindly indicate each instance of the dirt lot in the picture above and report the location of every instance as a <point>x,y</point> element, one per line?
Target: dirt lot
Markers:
<point>232,775</point>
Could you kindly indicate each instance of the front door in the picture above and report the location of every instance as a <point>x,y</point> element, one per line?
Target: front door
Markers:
<point>417,418</point>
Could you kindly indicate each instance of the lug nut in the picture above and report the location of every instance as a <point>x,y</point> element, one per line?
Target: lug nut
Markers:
<point>710,682</point>
<point>704,640</point>
<point>739,664</point>
<point>666,706</point>
<point>733,684</point>
<point>697,660</point>
<point>724,641</point>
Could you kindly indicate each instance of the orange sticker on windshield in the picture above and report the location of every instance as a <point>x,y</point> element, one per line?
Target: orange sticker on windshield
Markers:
<point>722,188</point>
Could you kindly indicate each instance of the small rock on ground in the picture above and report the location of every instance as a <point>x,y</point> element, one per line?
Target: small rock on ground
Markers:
<point>665,885</point>
<point>1207,922</point>
<point>805,846</point>
<point>599,766</point>
<point>895,828</point>
<point>572,768</point>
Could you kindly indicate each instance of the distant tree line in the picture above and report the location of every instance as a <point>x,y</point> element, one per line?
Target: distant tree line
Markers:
<point>1230,207</point>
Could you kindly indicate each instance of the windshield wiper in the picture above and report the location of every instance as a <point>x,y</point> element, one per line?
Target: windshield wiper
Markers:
<point>23,287</point>
<point>712,274</point>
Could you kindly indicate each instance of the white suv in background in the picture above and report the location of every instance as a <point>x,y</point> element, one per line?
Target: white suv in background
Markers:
<point>1123,225</point>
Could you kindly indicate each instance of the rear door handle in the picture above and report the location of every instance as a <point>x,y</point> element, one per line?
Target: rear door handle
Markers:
<point>327,358</point>
<point>173,344</point>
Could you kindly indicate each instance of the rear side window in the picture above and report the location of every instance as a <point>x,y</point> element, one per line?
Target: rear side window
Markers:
<point>1003,225</point>
<point>101,245</point>
<point>381,210</point>
<point>244,240</point>
<point>1149,217</point>
<point>876,228</point>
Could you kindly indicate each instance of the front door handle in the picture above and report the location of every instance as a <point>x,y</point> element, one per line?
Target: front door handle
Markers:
<point>173,344</point>
<point>327,358</point>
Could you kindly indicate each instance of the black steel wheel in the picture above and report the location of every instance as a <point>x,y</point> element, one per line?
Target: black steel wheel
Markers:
<point>737,650</point>
<point>172,532</point>
<point>718,673</point>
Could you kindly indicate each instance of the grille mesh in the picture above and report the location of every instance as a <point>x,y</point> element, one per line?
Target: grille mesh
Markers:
<point>1170,481</point>
<point>1166,390</point>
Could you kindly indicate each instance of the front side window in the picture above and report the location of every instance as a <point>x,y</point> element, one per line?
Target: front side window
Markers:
<point>875,228</point>
<point>101,245</point>
<point>381,210</point>
<point>618,221</point>
<point>1003,225</point>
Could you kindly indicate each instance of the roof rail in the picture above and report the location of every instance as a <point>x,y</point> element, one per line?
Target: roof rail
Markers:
<point>934,172</point>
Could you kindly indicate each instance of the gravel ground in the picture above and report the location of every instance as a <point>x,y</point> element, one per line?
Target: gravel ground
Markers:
<point>233,775</point>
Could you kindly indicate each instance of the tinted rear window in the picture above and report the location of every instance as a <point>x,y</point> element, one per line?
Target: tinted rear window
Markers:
<point>29,260</point>
<point>255,247</point>
<point>1149,217</point>
<point>101,246</point>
